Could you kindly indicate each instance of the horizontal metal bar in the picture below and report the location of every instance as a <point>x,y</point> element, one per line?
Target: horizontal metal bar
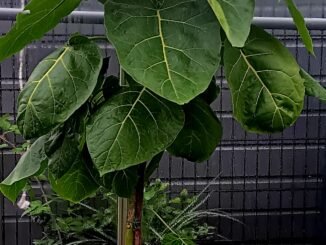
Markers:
<point>87,17</point>
<point>288,24</point>
<point>97,17</point>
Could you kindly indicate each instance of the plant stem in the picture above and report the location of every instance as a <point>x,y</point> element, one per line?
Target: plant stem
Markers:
<point>4,139</point>
<point>135,211</point>
<point>101,38</point>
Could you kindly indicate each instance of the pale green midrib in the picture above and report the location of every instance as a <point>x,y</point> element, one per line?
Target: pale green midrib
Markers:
<point>164,52</point>
<point>47,74</point>
<point>263,84</point>
<point>123,122</point>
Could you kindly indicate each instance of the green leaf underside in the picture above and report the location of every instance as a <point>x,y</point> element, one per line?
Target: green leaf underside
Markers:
<point>58,86</point>
<point>301,25</point>
<point>76,184</point>
<point>39,18</point>
<point>266,87</point>
<point>313,87</point>
<point>30,164</point>
<point>130,128</point>
<point>178,42</point>
<point>123,182</point>
<point>200,135</point>
<point>175,239</point>
<point>235,17</point>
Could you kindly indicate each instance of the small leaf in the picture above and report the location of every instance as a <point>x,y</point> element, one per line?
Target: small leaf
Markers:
<point>5,124</point>
<point>200,135</point>
<point>76,184</point>
<point>58,86</point>
<point>235,17</point>
<point>130,128</point>
<point>170,47</point>
<point>41,17</point>
<point>266,86</point>
<point>30,164</point>
<point>175,239</point>
<point>313,87</point>
<point>123,182</point>
<point>301,26</point>
<point>211,93</point>
<point>2,146</point>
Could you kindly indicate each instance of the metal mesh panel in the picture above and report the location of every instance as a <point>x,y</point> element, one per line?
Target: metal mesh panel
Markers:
<point>272,183</point>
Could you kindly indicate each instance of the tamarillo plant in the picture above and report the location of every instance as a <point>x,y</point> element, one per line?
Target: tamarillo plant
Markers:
<point>90,130</point>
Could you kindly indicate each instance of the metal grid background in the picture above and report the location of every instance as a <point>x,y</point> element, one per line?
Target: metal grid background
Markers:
<point>272,183</point>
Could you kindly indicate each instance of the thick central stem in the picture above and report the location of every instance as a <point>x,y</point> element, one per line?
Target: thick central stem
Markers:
<point>135,211</point>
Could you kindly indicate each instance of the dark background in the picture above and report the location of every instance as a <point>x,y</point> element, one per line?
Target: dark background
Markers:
<point>273,183</point>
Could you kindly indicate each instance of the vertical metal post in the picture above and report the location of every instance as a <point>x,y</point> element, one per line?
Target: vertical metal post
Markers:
<point>122,220</point>
<point>122,202</point>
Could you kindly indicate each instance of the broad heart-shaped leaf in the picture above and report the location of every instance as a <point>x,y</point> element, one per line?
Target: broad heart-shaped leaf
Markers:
<point>38,18</point>
<point>200,135</point>
<point>58,86</point>
<point>122,182</point>
<point>301,25</point>
<point>130,128</point>
<point>267,89</point>
<point>313,87</point>
<point>235,17</point>
<point>171,47</point>
<point>77,183</point>
<point>30,164</point>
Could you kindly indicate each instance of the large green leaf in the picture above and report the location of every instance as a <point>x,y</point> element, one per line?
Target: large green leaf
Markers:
<point>200,135</point>
<point>31,163</point>
<point>122,182</point>
<point>235,17</point>
<point>130,128</point>
<point>77,183</point>
<point>313,87</point>
<point>58,86</point>
<point>266,86</point>
<point>39,17</point>
<point>301,25</point>
<point>171,47</point>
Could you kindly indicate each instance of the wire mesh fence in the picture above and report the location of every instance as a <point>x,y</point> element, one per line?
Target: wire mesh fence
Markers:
<point>274,184</point>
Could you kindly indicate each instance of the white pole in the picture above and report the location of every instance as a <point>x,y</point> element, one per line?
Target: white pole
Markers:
<point>21,58</point>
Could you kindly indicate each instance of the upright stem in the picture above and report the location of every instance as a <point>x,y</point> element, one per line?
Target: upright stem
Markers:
<point>135,211</point>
